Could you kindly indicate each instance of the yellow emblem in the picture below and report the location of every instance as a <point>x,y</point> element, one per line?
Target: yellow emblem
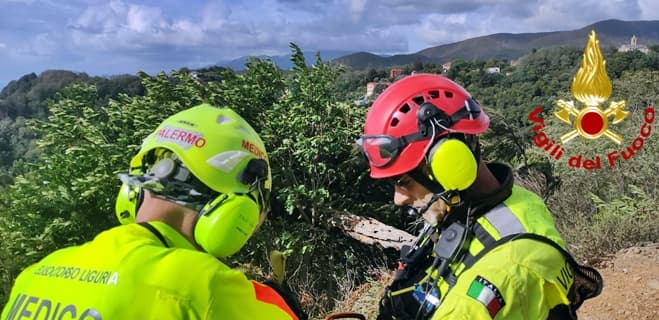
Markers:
<point>591,86</point>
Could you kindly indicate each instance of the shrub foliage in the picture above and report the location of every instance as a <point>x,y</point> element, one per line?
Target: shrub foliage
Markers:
<point>59,167</point>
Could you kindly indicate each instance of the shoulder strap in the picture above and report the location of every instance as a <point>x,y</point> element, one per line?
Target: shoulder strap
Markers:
<point>587,280</point>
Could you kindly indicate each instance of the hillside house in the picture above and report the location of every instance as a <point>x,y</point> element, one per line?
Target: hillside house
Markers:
<point>393,73</point>
<point>633,45</point>
<point>446,66</point>
<point>373,89</point>
<point>370,87</point>
<point>493,70</point>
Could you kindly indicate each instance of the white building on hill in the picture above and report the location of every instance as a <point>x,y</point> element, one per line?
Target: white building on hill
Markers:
<point>633,45</point>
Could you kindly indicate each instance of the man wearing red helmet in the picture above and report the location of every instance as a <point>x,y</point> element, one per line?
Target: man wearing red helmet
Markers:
<point>488,248</point>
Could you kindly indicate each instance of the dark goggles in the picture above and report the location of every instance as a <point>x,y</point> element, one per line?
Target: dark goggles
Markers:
<point>381,149</point>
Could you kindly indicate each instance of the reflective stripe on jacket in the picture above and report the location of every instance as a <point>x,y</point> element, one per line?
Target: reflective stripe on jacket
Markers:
<point>521,279</point>
<point>129,273</point>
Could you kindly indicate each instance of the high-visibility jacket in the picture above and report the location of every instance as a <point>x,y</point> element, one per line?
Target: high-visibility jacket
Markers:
<point>131,272</point>
<point>520,279</point>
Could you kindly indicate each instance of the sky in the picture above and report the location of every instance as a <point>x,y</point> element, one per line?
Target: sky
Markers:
<point>114,37</point>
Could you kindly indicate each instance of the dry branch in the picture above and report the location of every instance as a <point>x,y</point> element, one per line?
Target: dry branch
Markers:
<point>370,231</point>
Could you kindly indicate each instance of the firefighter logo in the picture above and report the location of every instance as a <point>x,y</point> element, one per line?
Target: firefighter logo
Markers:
<point>591,86</point>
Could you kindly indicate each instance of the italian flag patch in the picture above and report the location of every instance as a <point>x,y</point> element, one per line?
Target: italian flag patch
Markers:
<point>485,292</point>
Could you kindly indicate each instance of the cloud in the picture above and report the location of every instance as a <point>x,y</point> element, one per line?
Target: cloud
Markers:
<point>576,14</point>
<point>103,37</point>
<point>649,9</point>
<point>121,25</point>
<point>17,1</point>
<point>442,7</point>
<point>214,15</point>
<point>267,26</point>
<point>357,8</point>
<point>439,29</point>
<point>478,18</point>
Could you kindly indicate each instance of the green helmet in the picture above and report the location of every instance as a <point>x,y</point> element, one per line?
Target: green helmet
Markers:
<point>209,159</point>
<point>214,144</point>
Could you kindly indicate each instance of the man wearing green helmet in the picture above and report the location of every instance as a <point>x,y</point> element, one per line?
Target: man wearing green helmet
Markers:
<point>195,192</point>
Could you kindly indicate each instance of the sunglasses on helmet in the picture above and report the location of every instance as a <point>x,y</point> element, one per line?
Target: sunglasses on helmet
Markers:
<point>382,149</point>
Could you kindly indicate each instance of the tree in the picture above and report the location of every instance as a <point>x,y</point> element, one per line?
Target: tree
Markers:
<point>309,136</point>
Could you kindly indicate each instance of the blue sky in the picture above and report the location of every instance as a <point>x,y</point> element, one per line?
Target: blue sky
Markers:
<point>125,36</point>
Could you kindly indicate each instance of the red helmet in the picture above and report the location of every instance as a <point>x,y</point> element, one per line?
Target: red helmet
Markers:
<point>395,136</point>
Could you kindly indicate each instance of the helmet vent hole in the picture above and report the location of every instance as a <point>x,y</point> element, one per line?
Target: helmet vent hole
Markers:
<point>418,100</point>
<point>243,130</point>
<point>222,119</point>
<point>448,94</point>
<point>433,94</point>
<point>405,108</point>
<point>394,122</point>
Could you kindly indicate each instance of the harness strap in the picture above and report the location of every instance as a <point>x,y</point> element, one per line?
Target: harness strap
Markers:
<point>503,221</point>
<point>587,281</point>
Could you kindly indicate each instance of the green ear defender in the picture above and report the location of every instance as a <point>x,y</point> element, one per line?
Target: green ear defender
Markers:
<point>453,164</point>
<point>225,224</point>
<point>128,202</point>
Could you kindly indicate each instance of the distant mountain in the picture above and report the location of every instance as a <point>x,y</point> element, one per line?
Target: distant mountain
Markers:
<point>284,61</point>
<point>512,46</point>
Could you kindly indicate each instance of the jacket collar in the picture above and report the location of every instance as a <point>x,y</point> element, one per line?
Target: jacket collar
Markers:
<point>503,174</point>
<point>483,203</point>
<point>165,233</point>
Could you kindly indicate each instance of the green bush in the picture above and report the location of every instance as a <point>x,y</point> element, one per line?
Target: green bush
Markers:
<point>624,222</point>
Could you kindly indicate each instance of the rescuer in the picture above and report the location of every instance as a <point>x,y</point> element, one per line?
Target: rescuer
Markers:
<point>195,192</point>
<point>489,248</point>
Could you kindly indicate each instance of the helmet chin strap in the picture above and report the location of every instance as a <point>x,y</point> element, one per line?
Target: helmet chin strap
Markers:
<point>433,199</point>
<point>447,196</point>
<point>452,198</point>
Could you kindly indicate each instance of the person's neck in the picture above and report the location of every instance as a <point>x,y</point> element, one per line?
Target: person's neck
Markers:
<point>176,216</point>
<point>485,183</point>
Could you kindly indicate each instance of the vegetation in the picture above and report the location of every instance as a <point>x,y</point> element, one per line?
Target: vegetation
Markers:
<point>63,140</point>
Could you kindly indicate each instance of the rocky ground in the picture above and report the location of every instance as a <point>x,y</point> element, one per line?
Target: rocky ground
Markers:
<point>631,286</point>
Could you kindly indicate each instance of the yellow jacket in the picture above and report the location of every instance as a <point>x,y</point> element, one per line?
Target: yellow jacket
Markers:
<point>129,273</point>
<point>520,279</point>
<point>512,265</point>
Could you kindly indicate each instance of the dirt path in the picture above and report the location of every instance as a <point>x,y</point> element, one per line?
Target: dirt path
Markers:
<point>631,286</point>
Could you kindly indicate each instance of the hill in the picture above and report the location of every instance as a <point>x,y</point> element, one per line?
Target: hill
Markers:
<point>27,96</point>
<point>512,46</point>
